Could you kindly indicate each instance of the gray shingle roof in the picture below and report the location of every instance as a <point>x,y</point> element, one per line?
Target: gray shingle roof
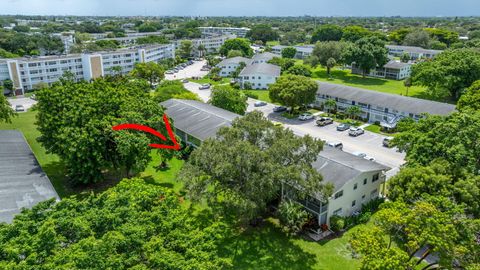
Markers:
<point>235,60</point>
<point>203,120</point>
<point>413,49</point>
<point>196,118</point>
<point>338,167</point>
<point>264,56</point>
<point>396,65</point>
<point>261,69</point>
<point>22,181</point>
<point>391,101</point>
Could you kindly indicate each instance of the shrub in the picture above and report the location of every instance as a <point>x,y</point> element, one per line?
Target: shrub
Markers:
<point>251,95</point>
<point>337,223</point>
<point>372,205</point>
<point>292,216</point>
<point>247,85</point>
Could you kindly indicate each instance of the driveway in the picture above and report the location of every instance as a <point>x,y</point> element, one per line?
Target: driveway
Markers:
<point>26,102</point>
<point>190,71</point>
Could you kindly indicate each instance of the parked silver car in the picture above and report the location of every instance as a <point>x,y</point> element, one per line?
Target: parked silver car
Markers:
<point>355,131</point>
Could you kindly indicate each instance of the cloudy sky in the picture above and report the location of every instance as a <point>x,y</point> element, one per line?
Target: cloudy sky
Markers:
<point>244,7</point>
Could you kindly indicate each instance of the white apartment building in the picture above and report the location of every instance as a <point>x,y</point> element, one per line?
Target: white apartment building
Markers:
<point>302,51</point>
<point>356,181</point>
<point>414,52</point>
<point>263,57</point>
<point>229,65</point>
<point>259,76</point>
<point>25,73</point>
<point>394,69</point>
<point>385,108</point>
<point>212,44</point>
<point>215,31</point>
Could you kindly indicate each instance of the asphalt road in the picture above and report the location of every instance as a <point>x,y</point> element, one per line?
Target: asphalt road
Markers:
<point>190,71</point>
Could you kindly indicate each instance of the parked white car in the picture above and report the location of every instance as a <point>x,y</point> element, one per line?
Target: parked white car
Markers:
<point>355,131</point>
<point>305,116</point>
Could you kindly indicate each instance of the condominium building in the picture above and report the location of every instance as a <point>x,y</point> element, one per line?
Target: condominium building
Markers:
<point>356,180</point>
<point>26,73</point>
<point>394,69</point>
<point>302,51</point>
<point>385,108</point>
<point>215,31</point>
<point>230,65</point>
<point>414,52</point>
<point>211,44</point>
<point>259,76</point>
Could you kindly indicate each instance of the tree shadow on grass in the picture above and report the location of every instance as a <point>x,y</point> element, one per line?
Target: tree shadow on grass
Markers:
<point>266,247</point>
<point>345,77</point>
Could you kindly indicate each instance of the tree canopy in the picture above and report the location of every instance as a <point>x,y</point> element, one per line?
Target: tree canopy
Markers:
<point>327,32</point>
<point>76,119</point>
<point>366,53</point>
<point>262,32</point>
<point>6,111</point>
<point>133,225</point>
<point>293,91</point>
<point>449,73</point>
<point>225,97</point>
<point>150,71</point>
<point>289,52</point>
<point>239,44</point>
<point>255,159</point>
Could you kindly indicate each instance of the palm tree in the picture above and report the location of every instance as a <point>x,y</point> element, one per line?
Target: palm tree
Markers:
<point>354,111</point>
<point>407,83</point>
<point>201,49</point>
<point>330,64</point>
<point>330,104</point>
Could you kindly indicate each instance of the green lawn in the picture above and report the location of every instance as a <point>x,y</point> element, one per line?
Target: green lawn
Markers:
<point>55,169</point>
<point>377,129</point>
<point>212,82</point>
<point>262,94</point>
<point>376,84</point>
<point>267,247</point>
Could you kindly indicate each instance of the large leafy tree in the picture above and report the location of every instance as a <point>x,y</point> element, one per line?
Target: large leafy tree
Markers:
<point>6,111</point>
<point>449,74</point>
<point>293,91</point>
<point>399,35</point>
<point>289,52</point>
<point>75,121</point>
<point>150,71</point>
<point>185,50</point>
<point>434,224</point>
<point>262,32</point>
<point>245,167</point>
<point>283,63</point>
<point>419,38</point>
<point>227,98</point>
<point>299,69</point>
<point>239,44</point>
<point>173,89</point>
<point>453,138</point>
<point>323,51</point>
<point>470,100</point>
<point>327,32</point>
<point>366,53</point>
<point>353,33</point>
<point>134,225</point>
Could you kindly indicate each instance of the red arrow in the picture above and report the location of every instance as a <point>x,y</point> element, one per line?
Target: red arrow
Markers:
<point>152,131</point>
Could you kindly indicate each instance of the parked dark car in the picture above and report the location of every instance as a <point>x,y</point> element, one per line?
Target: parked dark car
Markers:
<point>323,121</point>
<point>343,127</point>
<point>279,109</point>
<point>260,104</point>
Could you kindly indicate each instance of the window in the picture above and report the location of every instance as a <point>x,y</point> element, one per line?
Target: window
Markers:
<point>375,177</point>
<point>338,194</point>
<point>337,212</point>
<point>355,186</point>
<point>353,203</point>
<point>365,181</point>
<point>363,197</point>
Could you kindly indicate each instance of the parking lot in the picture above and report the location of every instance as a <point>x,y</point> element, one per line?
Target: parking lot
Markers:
<point>193,70</point>
<point>26,102</point>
